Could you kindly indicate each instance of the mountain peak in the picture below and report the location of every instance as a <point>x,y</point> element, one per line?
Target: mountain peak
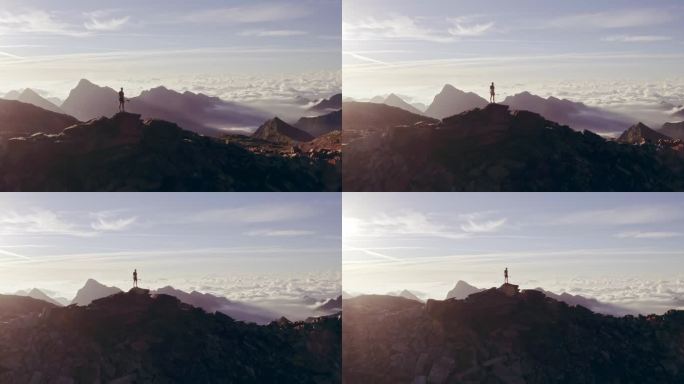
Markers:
<point>280,132</point>
<point>452,101</point>
<point>639,134</point>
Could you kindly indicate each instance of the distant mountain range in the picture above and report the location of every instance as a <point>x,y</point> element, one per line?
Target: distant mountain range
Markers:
<point>32,97</point>
<point>502,335</point>
<point>137,337</point>
<point>495,149</point>
<point>451,101</point>
<point>93,290</point>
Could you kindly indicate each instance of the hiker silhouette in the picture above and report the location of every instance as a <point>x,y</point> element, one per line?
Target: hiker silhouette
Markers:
<point>506,275</point>
<point>135,278</point>
<point>492,93</point>
<point>122,101</point>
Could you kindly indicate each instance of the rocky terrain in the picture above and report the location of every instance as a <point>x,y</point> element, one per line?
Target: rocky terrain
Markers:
<point>495,337</point>
<point>136,337</point>
<point>494,149</point>
<point>321,125</point>
<point>673,130</point>
<point>127,153</point>
<point>640,134</point>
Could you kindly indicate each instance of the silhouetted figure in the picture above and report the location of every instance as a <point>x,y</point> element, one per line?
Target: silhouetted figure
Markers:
<point>492,93</point>
<point>122,101</point>
<point>506,275</point>
<point>135,278</point>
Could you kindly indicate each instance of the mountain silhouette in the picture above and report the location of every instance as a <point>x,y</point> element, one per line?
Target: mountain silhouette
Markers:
<point>20,119</point>
<point>451,101</point>
<point>639,134</point>
<point>210,303</point>
<point>280,132</point>
<point>492,149</point>
<point>209,116</point>
<point>93,290</point>
<point>408,295</point>
<point>89,101</point>
<point>321,125</point>
<point>331,305</point>
<point>361,119</point>
<point>576,115</point>
<point>673,130</point>
<point>330,104</point>
<point>462,290</point>
<point>135,337</point>
<point>126,153</point>
<point>40,295</point>
<point>395,101</point>
<point>30,96</point>
<point>196,112</point>
<point>498,336</point>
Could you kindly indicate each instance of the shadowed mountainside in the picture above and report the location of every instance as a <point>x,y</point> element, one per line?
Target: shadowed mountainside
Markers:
<point>321,125</point>
<point>30,96</point>
<point>495,337</point>
<point>136,337</point>
<point>125,153</point>
<point>492,149</point>
<point>361,119</point>
<point>21,119</point>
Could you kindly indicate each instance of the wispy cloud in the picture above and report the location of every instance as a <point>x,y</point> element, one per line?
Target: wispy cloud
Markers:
<point>392,28</point>
<point>40,221</point>
<point>36,21</point>
<point>483,227</point>
<point>103,21</point>
<point>647,235</point>
<point>108,221</point>
<point>636,38</point>
<point>463,28</point>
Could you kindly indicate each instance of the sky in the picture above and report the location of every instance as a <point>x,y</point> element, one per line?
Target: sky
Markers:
<point>236,49</point>
<point>252,247</point>
<point>614,54</point>
<point>620,248</point>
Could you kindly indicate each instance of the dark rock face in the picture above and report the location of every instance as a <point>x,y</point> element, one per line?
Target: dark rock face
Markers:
<point>492,337</point>
<point>641,134</point>
<point>125,153</point>
<point>331,305</point>
<point>280,132</point>
<point>492,149</point>
<point>321,125</point>
<point>21,119</point>
<point>137,338</point>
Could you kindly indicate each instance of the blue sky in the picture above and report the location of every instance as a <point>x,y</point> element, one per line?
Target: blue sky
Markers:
<point>609,53</point>
<point>51,45</point>
<point>620,248</point>
<point>249,247</point>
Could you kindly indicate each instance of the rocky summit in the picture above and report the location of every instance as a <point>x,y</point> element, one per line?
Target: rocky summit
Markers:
<point>135,337</point>
<point>513,338</point>
<point>126,153</point>
<point>494,149</point>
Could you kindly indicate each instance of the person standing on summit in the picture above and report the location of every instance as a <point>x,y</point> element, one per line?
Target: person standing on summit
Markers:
<point>492,93</point>
<point>135,278</point>
<point>506,275</point>
<point>122,101</point>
